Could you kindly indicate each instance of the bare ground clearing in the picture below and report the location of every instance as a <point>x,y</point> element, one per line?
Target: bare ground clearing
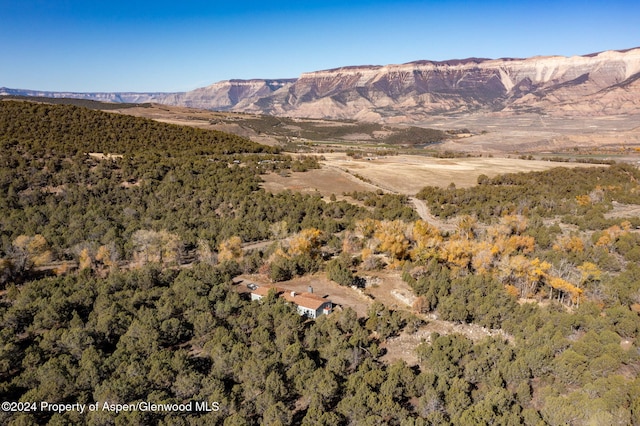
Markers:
<point>325,181</point>
<point>339,295</point>
<point>388,288</point>
<point>403,347</point>
<point>623,210</point>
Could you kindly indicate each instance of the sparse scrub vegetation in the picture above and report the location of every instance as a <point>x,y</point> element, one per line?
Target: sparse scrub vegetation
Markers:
<point>556,192</point>
<point>98,304</point>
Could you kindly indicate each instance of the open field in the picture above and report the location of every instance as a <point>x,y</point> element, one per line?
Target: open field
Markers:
<point>403,174</point>
<point>408,174</point>
<point>535,133</point>
<point>325,181</point>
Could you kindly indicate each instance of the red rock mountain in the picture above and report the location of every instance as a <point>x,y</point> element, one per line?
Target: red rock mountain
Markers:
<point>606,83</point>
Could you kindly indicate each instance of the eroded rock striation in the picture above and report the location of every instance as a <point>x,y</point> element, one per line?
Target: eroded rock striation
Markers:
<point>606,83</point>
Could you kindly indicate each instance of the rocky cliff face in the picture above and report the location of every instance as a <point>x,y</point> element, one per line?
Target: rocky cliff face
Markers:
<point>223,95</point>
<point>606,83</point>
<point>120,97</point>
<point>227,95</point>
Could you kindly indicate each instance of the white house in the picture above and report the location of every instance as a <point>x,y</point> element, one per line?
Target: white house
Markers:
<point>308,304</point>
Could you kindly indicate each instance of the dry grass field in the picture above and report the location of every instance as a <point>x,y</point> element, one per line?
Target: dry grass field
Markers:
<point>325,181</point>
<point>402,174</point>
<point>536,133</point>
<point>408,174</point>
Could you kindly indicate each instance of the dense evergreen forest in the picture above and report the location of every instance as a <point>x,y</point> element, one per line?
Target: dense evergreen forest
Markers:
<point>121,237</point>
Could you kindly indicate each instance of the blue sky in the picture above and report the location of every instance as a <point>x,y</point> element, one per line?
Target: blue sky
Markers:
<point>115,45</point>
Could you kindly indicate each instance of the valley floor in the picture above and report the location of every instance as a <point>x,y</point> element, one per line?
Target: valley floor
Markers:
<point>400,174</point>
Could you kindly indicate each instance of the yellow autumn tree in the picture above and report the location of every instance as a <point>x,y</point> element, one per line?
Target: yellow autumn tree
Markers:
<point>564,288</point>
<point>611,234</point>
<point>366,253</point>
<point>156,246</point>
<point>535,274</point>
<point>514,223</point>
<point>604,241</point>
<point>499,247</point>
<point>306,242</point>
<point>392,239</point>
<point>30,252</point>
<point>423,230</point>
<point>84,259</point>
<point>63,268</point>
<point>519,243</point>
<point>483,258</point>
<point>512,290</point>
<point>466,227</point>
<point>230,249</point>
<point>589,272</point>
<point>427,238</point>
<point>569,244</point>
<point>583,200</point>
<point>514,269</point>
<point>38,248</point>
<point>498,231</point>
<point>523,273</point>
<point>171,247</point>
<point>457,253</point>
<point>107,255</point>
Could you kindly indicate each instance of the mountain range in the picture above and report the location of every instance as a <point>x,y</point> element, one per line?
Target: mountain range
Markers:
<point>599,84</point>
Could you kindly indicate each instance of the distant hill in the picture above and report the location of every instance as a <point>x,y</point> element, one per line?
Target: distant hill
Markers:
<point>71,129</point>
<point>606,83</point>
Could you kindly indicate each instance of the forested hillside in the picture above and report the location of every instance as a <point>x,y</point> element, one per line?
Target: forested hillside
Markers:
<point>43,129</point>
<point>176,187</point>
<point>121,238</point>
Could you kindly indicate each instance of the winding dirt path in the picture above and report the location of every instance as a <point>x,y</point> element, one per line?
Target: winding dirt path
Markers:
<point>425,214</point>
<point>419,205</point>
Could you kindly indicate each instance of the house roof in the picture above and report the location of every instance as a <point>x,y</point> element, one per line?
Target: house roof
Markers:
<point>306,300</point>
<point>264,290</point>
